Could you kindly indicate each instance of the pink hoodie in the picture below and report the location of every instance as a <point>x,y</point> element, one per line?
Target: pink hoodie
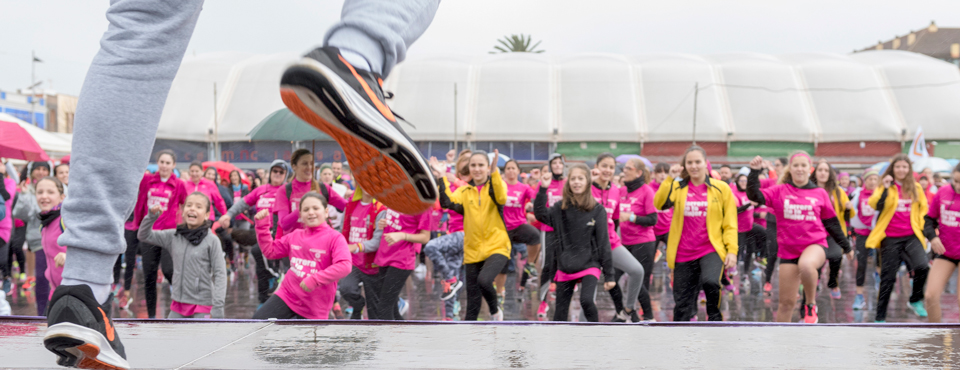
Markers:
<point>319,256</point>
<point>6,225</point>
<point>287,207</point>
<point>211,190</point>
<point>609,198</point>
<point>48,237</point>
<point>170,195</point>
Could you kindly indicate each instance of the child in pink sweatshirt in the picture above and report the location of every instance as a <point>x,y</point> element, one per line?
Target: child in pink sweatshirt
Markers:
<point>319,257</point>
<point>49,197</point>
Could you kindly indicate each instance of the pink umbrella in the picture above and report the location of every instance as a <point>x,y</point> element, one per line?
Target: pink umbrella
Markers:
<point>16,143</point>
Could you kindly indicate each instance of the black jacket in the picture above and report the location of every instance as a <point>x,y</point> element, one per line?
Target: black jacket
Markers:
<point>582,236</point>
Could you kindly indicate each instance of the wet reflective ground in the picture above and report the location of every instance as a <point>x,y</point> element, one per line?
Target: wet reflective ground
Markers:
<point>422,345</point>
<point>422,292</point>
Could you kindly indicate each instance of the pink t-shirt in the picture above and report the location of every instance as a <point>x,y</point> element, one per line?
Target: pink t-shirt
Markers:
<point>945,208</point>
<point>515,212</point>
<point>169,195</point>
<point>554,194</point>
<point>401,254</point>
<point>454,219</point>
<point>757,219</point>
<point>865,212</point>
<point>610,199</point>
<point>189,309</point>
<point>900,223</point>
<point>563,276</point>
<point>745,218</point>
<point>319,257</point>
<point>359,232</point>
<point>694,239</point>
<point>263,197</point>
<point>212,191</point>
<point>664,217</point>
<point>640,203</point>
<point>799,214</point>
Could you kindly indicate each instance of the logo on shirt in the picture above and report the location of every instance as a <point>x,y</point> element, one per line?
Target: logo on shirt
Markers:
<point>865,209</point>
<point>393,220</point>
<point>903,205</point>
<point>265,203</point>
<point>798,212</point>
<point>317,253</point>
<point>358,234</point>
<point>592,222</point>
<point>695,209</point>
<point>949,217</point>
<point>295,247</point>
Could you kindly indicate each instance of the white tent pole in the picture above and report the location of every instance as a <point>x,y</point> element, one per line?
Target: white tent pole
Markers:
<point>216,126</point>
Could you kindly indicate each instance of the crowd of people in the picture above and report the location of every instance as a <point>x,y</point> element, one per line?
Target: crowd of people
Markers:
<point>319,242</point>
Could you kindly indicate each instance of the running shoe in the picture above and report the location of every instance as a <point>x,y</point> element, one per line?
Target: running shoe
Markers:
<point>447,318</point>
<point>5,309</point>
<point>859,303</point>
<point>450,288</point>
<point>917,308</point>
<point>403,306</point>
<point>497,316</point>
<point>420,272</point>
<point>621,316</point>
<point>337,311</point>
<point>880,322</point>
<point>530,270</point>
<point>7,286</point>
<point>80,331</point>
<point>810,316</point>
<point>634,316</point>
<point>835,293</point>
<point>347,103</point>
<point>767,287</point>
<point>542,311</point>
<point>658,256</point>
<point>456,308</point>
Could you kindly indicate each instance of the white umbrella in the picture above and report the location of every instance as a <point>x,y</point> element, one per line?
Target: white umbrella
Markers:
<point>934,163</point>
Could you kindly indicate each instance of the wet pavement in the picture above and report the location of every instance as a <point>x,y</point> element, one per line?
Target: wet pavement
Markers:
<point>423,291</point>
<point>434,345</point>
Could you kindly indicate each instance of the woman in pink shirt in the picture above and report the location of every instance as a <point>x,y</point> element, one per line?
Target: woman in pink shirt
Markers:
<point>752,237</point>
<point>549,239</point>
<point>607,194</point>
<point>899,233</point>
<point>165,190</point>
<point>944,216</point>
<point>319,257</point>
<point>805,216</point>
<point>288,196</point>
<point>403,236</point>
<point>49,197</point>
<point>662,229</point>
<point>638,217</point>
<point>197,183</point>
<point>862,223</point>
<point>519,196</point>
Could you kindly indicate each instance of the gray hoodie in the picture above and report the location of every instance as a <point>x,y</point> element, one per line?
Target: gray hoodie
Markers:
<point>199,271</point>
<point>28,210</point>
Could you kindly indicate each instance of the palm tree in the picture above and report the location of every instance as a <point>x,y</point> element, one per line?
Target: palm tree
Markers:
<point>516,44</point>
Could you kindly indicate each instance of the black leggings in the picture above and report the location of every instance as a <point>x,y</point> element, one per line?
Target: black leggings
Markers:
<point>892,251</point>
<point>154,257</point>
<point>862,255</point>
<point>263,274</point>
<point>15,251</point>
<point>349,288</point>
<point>130,257</point>
<point>834,258</point>
<point>276,308</point>
<point>588,291</point>
<point>772,248</point>
<point>4,259</point>
<point>479,278</point>
<point>751,243</point>
<point>688,278</point>
<point>388,284</point>
<point>644,253</point>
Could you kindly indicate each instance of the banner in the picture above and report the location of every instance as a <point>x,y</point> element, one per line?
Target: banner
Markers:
<point>918,149</point>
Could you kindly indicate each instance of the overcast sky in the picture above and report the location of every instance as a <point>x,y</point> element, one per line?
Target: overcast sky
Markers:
<point>65,33</point>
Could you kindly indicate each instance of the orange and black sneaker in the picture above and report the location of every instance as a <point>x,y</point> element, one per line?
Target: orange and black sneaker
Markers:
<point>348,103</point>
<point>80,331</point>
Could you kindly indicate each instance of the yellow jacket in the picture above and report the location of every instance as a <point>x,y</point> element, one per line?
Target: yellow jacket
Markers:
<point>721,215</point>
<point>918,209</point>
<point>484,232</point>
<point>840,206</point>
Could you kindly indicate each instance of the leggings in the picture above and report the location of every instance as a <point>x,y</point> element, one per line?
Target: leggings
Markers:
<point>588,292</point>
<point>772,248</point>
<point>624,261</point>
<point>4,259</point>
<point>264,274</point>
<point>276,308</point>
<point>349,288</point>
<point>862,255</point>
<point>130,257</point>
<point>42,288</point>
<point>644,253</point>
<point>154,257</point>
<point>751,243</point>
<point>15,253</point>
<point>691,276</point>
<point>479,279</point>
<point>892,251</point>
<point>446,253</point>
<point>372,298</point>
<point>390,281</point>
<point>834,259</point>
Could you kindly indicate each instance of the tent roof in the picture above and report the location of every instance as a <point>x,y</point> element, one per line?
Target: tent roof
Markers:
<point>55,144</point>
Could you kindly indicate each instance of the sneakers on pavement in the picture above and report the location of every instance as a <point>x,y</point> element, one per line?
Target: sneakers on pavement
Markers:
<point>80,331</point>
<point>810,314</point>
<point>450,288</point>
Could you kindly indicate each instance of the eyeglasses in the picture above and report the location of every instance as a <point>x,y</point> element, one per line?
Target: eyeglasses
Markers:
<point>278,170</point>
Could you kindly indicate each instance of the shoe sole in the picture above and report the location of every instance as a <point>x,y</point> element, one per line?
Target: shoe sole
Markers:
<point>82,348</point>
<point>386,165</point>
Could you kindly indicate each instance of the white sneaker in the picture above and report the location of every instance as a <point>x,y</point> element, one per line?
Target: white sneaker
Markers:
<point>403,306</point>
<point>497,316</point>
<point>5,306</point>
<point>420,272</point>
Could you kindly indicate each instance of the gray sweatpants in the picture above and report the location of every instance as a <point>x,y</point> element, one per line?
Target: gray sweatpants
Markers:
<point>624,261</point>
<point>124,93</point>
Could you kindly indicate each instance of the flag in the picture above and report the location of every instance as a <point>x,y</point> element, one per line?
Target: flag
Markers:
<point>35,59</point>
<point>918,149</point>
